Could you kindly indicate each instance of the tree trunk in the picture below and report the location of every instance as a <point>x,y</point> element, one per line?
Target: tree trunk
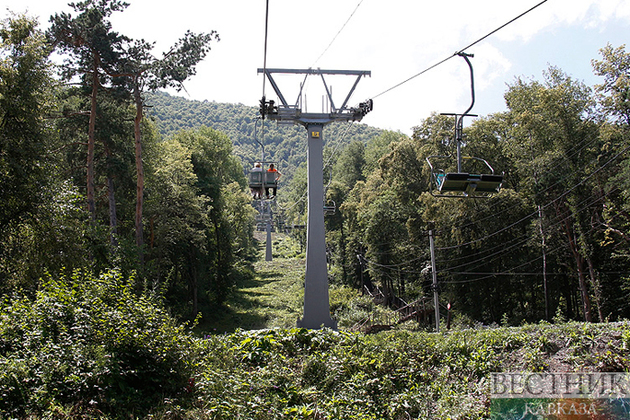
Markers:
<point>579,264</point>
<point>544,263</point>
<point>596,288</point>
<point>111,197</point>
<point>139,172</point>
<point>586,300</point>
<point>91,140</point>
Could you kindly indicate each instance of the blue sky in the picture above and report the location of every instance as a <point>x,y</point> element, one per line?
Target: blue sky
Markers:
<point>394,39</point>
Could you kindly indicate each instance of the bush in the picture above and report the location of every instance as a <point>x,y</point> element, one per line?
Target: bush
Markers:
<point>92,344</point>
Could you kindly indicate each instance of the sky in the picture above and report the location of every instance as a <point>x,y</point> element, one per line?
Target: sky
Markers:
<point>394,40</point>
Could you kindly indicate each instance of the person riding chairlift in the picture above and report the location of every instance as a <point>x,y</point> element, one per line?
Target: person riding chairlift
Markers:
<point>257,192</point>
<point>275,187</point>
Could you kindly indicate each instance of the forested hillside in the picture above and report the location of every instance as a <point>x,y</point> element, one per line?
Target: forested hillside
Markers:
<point>284,144</point>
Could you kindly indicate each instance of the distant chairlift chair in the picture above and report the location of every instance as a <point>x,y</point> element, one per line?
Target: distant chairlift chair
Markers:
<point>260,180</point>
<point>329,208</point>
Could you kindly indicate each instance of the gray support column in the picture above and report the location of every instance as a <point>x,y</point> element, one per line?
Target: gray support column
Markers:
<point>268,254</point>
<point>316,301</point>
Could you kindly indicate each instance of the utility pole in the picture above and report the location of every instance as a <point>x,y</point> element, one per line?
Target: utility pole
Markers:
<point>316,299</point>
<point>434,286</point>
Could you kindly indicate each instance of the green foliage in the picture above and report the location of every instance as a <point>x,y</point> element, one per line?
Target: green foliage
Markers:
<point>285,373</point>
<point>562,172</point>
<point>201,220</point>
<point>25,90</point>
<point>178,64</point>
<point>395,375</point>
<point>615,69</point>
<point>92,347</point>
<point>271,297</point>
<point>41,223</point>
<point>91,343</point>
<point>57,238</point>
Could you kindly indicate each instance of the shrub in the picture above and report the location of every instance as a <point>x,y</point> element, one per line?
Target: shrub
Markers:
<point>90,343</point>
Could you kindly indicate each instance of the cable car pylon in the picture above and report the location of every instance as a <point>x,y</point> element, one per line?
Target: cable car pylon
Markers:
<point>316,298</point>
<point>462,184</point>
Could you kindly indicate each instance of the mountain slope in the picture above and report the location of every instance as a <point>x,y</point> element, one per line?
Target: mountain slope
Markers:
<point>284,144</point>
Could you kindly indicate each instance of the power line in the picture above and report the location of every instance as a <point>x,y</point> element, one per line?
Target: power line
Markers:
<point>458,52</point>
<point>549,252</point>
<point>564,194</point>
<point>580,207</point>
<point>500,27</point>
<point>573,151</point>
<point>584,204</point>
<point>343,136</point>
<point>577,148</point>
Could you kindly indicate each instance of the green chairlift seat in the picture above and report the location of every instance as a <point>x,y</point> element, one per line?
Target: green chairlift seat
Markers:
<point>256,179</point>
<point>463,184</point>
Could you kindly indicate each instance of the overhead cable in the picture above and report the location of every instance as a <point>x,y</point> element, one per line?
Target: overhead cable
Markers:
<point>564,194</point>
<point>262,132</point>
<point>335,37</point>
<point>459,51</point>
<point>265,48</point>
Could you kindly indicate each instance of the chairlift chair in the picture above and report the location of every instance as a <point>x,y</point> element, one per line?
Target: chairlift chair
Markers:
<point>261,180</point>
<point>330,208</point>
<point>462,184</point>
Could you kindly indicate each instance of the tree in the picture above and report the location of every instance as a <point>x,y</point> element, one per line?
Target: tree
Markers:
<point>92,46</point>
<point>614,93</point>
<point>201,220</point>
<point>179,226</point>
<point>26,88</point>
<point>142,71</point>
<point>42,222</point>
<point>215,168</point>
<point>614,100</point>
<point>377,147</point>
<point>555,141</point>
<point>348,168</point>
<point>356,162</point>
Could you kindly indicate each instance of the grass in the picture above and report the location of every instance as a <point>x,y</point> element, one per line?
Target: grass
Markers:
<point>282,372</point>
<point>272,299</point>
